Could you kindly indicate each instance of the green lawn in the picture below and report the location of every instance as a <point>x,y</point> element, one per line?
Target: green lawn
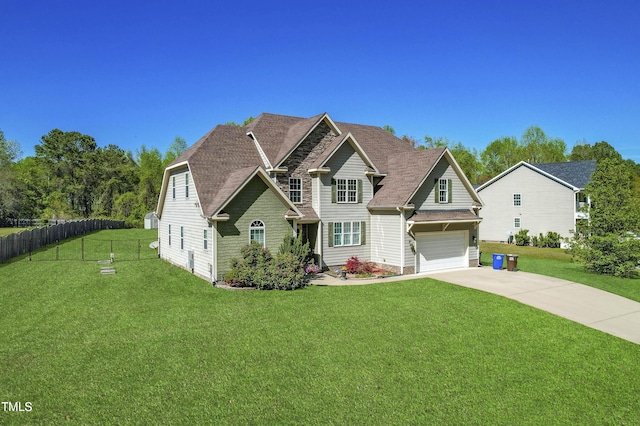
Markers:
<point>6,231</point>
<point>155,345</point>
<point>557,263</point>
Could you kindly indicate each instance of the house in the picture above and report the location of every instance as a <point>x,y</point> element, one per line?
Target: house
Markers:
<point>151,221</point>
<point>348,189</point>
<point>541,198</point>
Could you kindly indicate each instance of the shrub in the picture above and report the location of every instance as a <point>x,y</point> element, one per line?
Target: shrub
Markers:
<point>353,265</point>
<point>285,273</point>
<point>535,241</point>
<point>552,240</point>
<point>295,246</point>
<point>522,237</point>
<point>612,255</point>
<point>257,268</point>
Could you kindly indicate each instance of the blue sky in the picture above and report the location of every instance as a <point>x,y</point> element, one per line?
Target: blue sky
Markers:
<point>132,73</point>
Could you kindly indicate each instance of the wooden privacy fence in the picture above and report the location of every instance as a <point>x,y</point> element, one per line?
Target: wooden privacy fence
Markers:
<point>27,241</point>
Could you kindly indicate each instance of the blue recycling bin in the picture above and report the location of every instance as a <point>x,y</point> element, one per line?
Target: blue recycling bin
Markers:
<point>497,260</point>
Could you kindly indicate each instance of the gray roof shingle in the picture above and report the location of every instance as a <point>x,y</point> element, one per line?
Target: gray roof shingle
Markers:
<point>576,173</point>
<point>405,173</point>
<point>225,157</point>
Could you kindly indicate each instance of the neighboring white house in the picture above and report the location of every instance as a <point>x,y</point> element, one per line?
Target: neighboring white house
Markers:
<point>348,189</point>
<point>541,198</point>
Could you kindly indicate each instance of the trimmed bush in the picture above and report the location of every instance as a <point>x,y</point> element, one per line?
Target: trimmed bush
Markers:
<point>522,237</point>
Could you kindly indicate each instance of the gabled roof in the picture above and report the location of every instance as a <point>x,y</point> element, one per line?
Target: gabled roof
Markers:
<point>576,173</point>
<point>336,144</point>
<point>212,160</point>
<point>379,144</point>
<point>223,161</point>
<point>572,174</point>
<point>406,172</point>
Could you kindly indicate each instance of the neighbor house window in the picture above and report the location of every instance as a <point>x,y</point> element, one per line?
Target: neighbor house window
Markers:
<point>517,200</point>
<point>174,187</point>
<point>516,222</point>
<point>169,234</point>
<point>347,190</point>
<point>186,185</point>
<point>295,190</point>
<point>182,238</point>
<point>205,240</point>
<point>346,234</point>
<point>256,232</point>
<point>443,191</point>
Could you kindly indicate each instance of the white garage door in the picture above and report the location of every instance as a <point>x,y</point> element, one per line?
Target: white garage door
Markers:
<point>442,250</point>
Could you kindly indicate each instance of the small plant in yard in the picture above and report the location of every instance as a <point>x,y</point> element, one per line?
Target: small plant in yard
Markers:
<point>522,238</point>
<point>353,265</point>
<point>312,269</point>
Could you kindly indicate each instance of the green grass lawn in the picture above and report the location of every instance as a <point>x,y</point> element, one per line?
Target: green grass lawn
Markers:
<point>6,231</point>
<point>557,263</point>
<point>155,345</point>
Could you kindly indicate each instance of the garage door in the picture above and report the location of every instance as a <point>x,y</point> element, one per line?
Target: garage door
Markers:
<point>442,250</point>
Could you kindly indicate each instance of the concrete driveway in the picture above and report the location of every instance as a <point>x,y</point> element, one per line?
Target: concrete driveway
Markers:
<point>586,305</point>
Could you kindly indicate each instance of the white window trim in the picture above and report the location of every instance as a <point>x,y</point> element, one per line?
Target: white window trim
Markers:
<point>205,240</point>
<point>174,187</point>
<point>186,185</point>
<point>255,227</point>
<point>169,235</point>
<point>442,191</point>
<point>517,223</point>
<point>519,194</point>
<point>346,191</point>
<point>299,190</point>
<point>182,238</point>
<point>351,233</point>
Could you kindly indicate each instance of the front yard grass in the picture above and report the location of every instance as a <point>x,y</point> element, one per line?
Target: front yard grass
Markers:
<point>557,263</point>
<point>154,344</point>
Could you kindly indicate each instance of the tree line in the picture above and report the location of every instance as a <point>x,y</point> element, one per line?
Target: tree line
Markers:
<point>71,177</point>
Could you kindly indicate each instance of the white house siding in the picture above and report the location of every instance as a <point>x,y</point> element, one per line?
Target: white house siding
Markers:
<point>344,164</point>
<point>424,199</point>
<point>185,212</point>
<point>386,239</point>
<point>546,205</point>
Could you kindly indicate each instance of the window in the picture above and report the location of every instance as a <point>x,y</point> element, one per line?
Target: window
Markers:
<point>169,235</point>
<point>205,240</point>
<point>186,185</point>
<point>347,190</point>
<point>256,232</point>
<point>517,200</point>
<point>516,222</point>
<point>346,234</point>
<point>182,238</point>
<point>174,187</point>
<point>443,191</point>
<point>295,190</point>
